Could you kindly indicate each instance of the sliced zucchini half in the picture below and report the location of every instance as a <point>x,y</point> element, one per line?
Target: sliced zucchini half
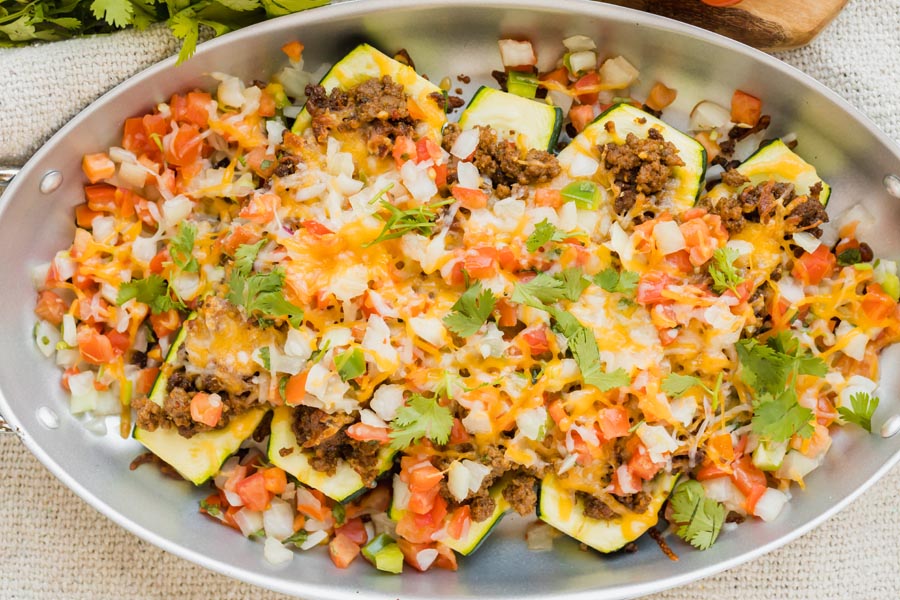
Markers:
<point>365,62</point>
<point>560,508</point>
<point>536,124</point>
<point>775,161</point>
<point>342,486</point>
<point>625,119</point>
<point>158,391</point>
<point>478,532</point>
<point>200,457</point>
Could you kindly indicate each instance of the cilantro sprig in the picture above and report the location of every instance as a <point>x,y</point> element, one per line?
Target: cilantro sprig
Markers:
<point>24,22</point>
<point>677,385</point>
<point>471,311</point>
<point>152,291</point>
<point>181,248</point>
<point>260,293</point>
<point>612,281</point>
<point>724,274</point>
<point>698,517</point>
<point>397,223</point>
<point>544,233</point>
<point>863,406</point>
<point>421,417</point>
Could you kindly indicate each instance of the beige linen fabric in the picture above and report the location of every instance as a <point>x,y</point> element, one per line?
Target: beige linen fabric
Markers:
<point>53,545</point>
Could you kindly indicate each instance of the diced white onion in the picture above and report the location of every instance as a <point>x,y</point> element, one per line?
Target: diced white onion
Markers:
<point>298,343</point>
<point>625,480</point>
<point>121,155</point>
<point>796,466</point>
<point>274,132</point>
<point>103,229</point>
<point>69,331</point>
<point>65,265</point>
<point>477,421</point>
<point>347,185</point>
<point>46,336</point>
<point>561,99</point>
<point>387,400</point>
<point>108,402</point>
<point>514,53</point>
<point>567,463</point>
<point>861,215</point>
<point>583,165</point>
<point>583,60</point>
<point>278,519</point>
<point>275,552</point>
<point>477,473</point>
<point>315,538</point>
<point>368,417</point>
<point>668,236</point>
<point>133,175</point>
<point>176,209</point>
<point>618,73</point>
<point>578,43</point>
<point>657,440</point>
<point>429,329</point>
<point>722,489</point>
<point>144,249</point>
<point>708,115</point>
<point>249,521</point>
<point>791,290</point>
<point>743,248</point>
<point>67,358</point>
<point>186,285</point>
<point>426,558</point>
<point>620,242</point>
<point>401,494</point>
<point>417,182</point>
<point>458,480</point>
<point>292,111</point>
<point>856,347</point>
<point>807,241</point>
<point>230,90</point>
<point>856,384</point>
<point>465,144</point>
<point>770,504</point>
<point>468,176</point>
<point>539,537</point>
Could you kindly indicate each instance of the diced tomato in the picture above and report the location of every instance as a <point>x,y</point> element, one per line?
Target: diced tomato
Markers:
<point>261,209</point>
<point>214,500</point>
<point>660,96</point>
<point>84,216</point>
<point>253,492</point>
<point>681,260</point>
<point>165,322</point>
<point>440,175</point>
<point>206,408</point>
<point>404,150</point>
<point>710,471</point>
<point>460,520</point>
<point>458,434</point>
<point>469,198</point>
<point>641,465</point>
<point>368,433</point>
<point>197,109</point>
<point>812,268</point>
<point>481,263</point>
<point>98,167</point>
<point>94,347</point>
<point>876,304</point>
<point>446,557</point>
<point>315,228</point>
<point>508,313</point>
<point>411,552</point>
<point>650,287</point>
<point>120,341</point>
<point>275,480</point>
<point>558,413</point>
<point>375,501</point>
<point>745,108</point>
<point>354,529</point>
<point>423,479</point>
<point>101,197</point>
<point>721,3</point>
<point>145,380</point>
<point>588,81</point>
<point>614,422</point>
<point>260,162</point>
<point>293,50</point>
<point>548,197</point>
<point>51,307</point>
<point>625,481</point>
<point>536,338</point>
<point>343,551</point>
<point>581,115</point>
<point>266,104</point>
<point>295,390</point>
<point>699,239</point>
<point>749,479</point>
<point>427,148</point>
<point>719,449</point>
<point>418,528</point>
<point>185,146</point>
<point>238,236</point>
<point>560,76</point>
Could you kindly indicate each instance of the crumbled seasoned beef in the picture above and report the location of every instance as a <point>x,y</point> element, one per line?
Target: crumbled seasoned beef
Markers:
<point>326,437</point>
<point>734,178</point>
<point>502,162</point>
<point>314,426</point>
<point>520,493</point>
<point>640,166</point>
<point>376,107</point>
<point>286,166</point>
<point>150,458</point>
<point>636,503</point>
<point>759,203</point>
<point>482,508</point>
<point>595,508</point>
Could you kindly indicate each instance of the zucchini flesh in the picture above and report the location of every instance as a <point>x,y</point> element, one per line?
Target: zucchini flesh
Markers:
<point>560,508</point>
<point>775,161</point>
<point>342,486</point>
<point>200,457</point>
<point>365,62</point>
<point>687,180</point>
<point>158,391</point>
<point>537,125</point>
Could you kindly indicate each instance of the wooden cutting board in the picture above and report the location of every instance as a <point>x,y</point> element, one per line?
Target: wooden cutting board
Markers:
<point>766,24</point>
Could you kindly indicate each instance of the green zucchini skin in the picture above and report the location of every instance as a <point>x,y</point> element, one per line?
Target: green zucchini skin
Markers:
<point>558,507</point>
<point>616,122</point>
<point>344,485</point>
<point>366,62</point>
<point>536,124</point>
<point>158,391</point>
<point>775,161</point>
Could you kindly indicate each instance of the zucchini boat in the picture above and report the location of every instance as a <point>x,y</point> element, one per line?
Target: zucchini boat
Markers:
<point>560,508</point>
<point>365,62</point>
<point>342,486</point>
<point>536,124</point>
<point>614,125</point>
<point>478,532</point>
<point>775,161</point>
<point>200,457</point>
<point>158,391</point>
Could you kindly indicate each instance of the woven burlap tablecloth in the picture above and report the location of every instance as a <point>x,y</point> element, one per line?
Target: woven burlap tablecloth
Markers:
<point>53,545</point>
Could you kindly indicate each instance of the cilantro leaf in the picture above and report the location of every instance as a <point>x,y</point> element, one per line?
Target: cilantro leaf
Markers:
<point>769,367</point>
<point>612,281</point>
<point>186,27</point>
<point>849,257</point>
<point>117,13</point>
<point>266,355</point>
<point>779,417</point>
<point>698,517</point>
<point>297,538</point>
<point>543,289</point>
<point>574,283</point>
<point>260,294</point>
<point>863,407</point>
<point>350,364</point>
<point>245,256</point>
<point>339,512</point>
<point>676,385</point>
<point>420,219</point>
<point>544,233</point>
<point>213,510</point>
<point>152,291</point>
<point>470,312</point>
<point>181,248</point>
<point>722,270</point>
<point>421,417</point>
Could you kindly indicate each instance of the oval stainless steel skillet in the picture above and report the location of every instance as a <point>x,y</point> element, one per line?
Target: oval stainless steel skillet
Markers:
<point>446,38</point>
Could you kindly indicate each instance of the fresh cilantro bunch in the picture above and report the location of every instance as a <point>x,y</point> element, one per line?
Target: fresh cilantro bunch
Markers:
<point>699,519</point>
<point>47,20</point>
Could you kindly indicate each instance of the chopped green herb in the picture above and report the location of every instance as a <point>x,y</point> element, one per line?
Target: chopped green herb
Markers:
<point>611,280</point>
<point>863,407</point>
<point>265,355</point>
<point>282,386</point>
<point>777,418</point>
<point>265,164</point>
<point>245,256</point>
<point>397,223</point>
<point>339,513</point>
<point>298,538</point>
<point>544,233</point>
<point>471,311</point>
<point>421,417</point>
<point>260,294</point>
<point>699,519</point>
<point>181,248</point>
<point>723,272</point>
<point>212,510</point>
<point>152,291</point>
<point>849,257</point>
<point>574,283</point>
